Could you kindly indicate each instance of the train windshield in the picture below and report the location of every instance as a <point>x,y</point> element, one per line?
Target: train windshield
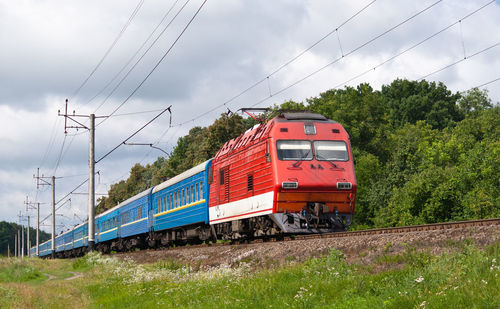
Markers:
<point>294,150</point>
<point>330,150</point>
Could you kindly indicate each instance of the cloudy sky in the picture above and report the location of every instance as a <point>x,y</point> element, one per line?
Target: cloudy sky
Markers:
<point>96,54</point>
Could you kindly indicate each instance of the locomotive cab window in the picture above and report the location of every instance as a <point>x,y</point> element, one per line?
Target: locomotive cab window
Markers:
<point>331,151</point>
<point>294,150</point>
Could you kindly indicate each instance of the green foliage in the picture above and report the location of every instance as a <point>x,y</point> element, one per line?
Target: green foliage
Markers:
<point>18,271</point>
<point>8,231</point>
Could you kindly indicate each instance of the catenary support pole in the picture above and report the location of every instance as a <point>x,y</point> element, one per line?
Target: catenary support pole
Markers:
<point>37,228</point>
<point>91,183</point>
<point>22,240</point>
<point>53,245</point>
<point>15,245</point>
<point>28,253</point>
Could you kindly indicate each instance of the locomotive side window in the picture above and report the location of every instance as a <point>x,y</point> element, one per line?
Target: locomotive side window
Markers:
<point>294,150</point>
<point>331,150</point>
<point>221,177</point>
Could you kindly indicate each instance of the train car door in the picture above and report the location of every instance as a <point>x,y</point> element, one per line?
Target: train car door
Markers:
<point>224,185</point>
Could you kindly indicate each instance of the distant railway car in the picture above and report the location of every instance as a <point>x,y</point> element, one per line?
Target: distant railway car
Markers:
<point>293,174</point>
<point>107,228</point>
<point>180,207</point>
<point>134,221</point>
<point>80,237</point>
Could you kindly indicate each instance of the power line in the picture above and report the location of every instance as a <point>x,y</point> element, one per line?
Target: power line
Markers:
<point>461,60</point>
<point>134,13</point>
<point>136,53</point>
<point>158,63</point>
<point>325,66</point>
<point>133,134</point>
<point>413,46</point>
<point>487,83</point>
<point>142,56</point>
<point>283,65</point>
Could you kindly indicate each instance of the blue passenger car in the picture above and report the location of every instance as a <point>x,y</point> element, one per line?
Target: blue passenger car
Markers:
<point>134,214</point>
<point>68,240</point>
<point>107,224</point>
<point>80,235</point>
<point>182,200</point>
<point>59,243</point>
<point>45,248</point>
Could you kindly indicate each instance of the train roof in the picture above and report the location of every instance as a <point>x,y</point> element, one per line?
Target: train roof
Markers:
<point>127,201</point>
<point>190,172</point>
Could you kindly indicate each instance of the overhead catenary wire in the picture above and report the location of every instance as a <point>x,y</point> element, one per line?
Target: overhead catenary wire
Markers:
<point>133,134</point>
<point>461,60</point>
<point>137,52</point>
<point>124,28</point>
<point>406,20</point>
<point>252,86</point>
<point>395,56</point>
<point>371,69</point>
<point>158,63</point>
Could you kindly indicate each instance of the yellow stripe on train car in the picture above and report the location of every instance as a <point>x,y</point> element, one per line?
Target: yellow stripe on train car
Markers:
<point>180,208</point>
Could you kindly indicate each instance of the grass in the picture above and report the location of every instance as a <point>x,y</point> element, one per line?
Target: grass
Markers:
<point>465,278</point>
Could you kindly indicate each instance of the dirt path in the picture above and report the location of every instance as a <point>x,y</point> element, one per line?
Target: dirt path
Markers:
<point>75,275</point>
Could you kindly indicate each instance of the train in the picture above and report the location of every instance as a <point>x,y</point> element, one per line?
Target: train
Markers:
<point>292,174</point>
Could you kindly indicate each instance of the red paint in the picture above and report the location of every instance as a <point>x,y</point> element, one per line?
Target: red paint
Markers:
<point>246,155</point>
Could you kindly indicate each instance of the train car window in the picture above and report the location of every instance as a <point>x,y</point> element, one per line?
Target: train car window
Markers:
<point>188,194</point>
<point>183,197</point>
<point>293,150</point>
<point>164,207</point>
<point>201,190</point>
<point>171,202</point>
<point>331,150</point>
<point>221,176</point>
<point>196,196</point>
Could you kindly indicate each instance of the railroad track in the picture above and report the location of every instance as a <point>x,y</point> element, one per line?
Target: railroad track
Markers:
<point>405,229</point>
<point>390,230</point>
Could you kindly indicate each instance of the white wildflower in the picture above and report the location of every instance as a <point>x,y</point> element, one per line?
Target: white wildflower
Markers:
<point>423,304</point>
<point>484,281</point>
<point>419,279</point>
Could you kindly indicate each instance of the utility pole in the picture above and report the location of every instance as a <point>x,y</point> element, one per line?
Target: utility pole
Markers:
<point>91,204</point>
<point>8,250</point>
<point>21,219</point>
<point>40,181</point>
<point>18,243</point>
<point>31,205</point>
<point>15,245</point>
<point>28,238</point>
<point>91,200</point>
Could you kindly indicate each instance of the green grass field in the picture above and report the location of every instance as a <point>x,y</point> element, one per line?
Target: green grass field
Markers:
<point>465,278</point>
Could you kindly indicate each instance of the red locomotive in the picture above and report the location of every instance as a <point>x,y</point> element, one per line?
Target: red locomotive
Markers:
<point>293,174</point>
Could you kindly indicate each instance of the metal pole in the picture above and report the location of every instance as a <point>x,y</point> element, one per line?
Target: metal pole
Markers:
<point>28,239</point>
<point>18,243</point>
<point>8,250</point>
<point>91,183</point>
<point>53,245</point>
<point>22,241</point>
<point>15,245</point>
<point>37,228</point>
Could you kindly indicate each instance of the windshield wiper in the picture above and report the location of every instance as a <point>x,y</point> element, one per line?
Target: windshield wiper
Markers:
<point>299,161</point>
<point>324,159</point>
